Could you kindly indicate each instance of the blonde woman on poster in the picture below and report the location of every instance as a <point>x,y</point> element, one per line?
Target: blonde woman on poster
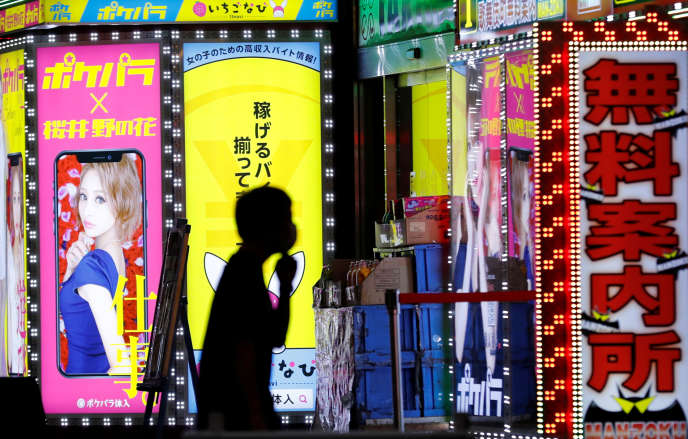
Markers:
<point>16,286</point>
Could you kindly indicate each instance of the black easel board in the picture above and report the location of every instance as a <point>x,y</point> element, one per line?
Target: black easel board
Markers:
<point>161,348</point>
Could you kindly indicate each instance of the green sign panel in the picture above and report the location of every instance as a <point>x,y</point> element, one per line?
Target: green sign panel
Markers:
<point>385,21</point>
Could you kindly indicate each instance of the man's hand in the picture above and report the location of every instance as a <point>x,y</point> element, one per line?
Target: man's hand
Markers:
<point>286,270</point>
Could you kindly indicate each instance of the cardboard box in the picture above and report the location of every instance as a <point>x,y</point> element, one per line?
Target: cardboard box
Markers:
<point>415,205</point>
<point>391,273</point>
<point>428,219</point>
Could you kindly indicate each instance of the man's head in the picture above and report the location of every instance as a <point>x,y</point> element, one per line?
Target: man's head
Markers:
<point>263,217</point>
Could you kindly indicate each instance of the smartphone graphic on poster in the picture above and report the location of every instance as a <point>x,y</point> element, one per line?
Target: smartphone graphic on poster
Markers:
<point>16,268</point>
<point>100,250</point>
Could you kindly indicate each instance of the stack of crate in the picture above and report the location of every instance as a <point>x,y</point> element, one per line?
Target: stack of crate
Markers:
<point>425,360</point>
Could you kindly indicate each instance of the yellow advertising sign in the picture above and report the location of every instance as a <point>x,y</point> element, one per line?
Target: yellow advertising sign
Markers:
<point>459,135</point>
<point>12,66</point>
<point>251,118</point>
<point>429,122</point>
<point>13,321</point>
<point>22,16</point>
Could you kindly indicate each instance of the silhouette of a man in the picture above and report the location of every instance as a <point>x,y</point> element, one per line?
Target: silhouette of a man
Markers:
<point>243,327</point>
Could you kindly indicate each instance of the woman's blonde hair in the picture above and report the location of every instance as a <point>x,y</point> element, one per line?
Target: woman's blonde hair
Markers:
<point>122,184</point>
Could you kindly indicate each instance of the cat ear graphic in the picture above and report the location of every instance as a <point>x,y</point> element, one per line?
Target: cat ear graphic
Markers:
<point>215,266</point>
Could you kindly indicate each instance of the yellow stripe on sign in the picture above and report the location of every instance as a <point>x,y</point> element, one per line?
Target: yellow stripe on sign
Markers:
<point>222,93</point>
<point>221,238</point>
<point>219,210</point>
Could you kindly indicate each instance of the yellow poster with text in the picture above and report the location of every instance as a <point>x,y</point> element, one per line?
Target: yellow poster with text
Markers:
<point>12,65</point>
<point>13,321</point>
<point>250,121</point>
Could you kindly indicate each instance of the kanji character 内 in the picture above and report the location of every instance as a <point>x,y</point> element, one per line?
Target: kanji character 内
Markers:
<point>630,227</point>
<point>644,88</point>
<point>634,354</point>
<point>633,284</point>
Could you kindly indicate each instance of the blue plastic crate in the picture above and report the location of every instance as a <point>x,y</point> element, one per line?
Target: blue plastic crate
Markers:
<point>373,392</point>
<point>425,356</point>
<point>432,269</point>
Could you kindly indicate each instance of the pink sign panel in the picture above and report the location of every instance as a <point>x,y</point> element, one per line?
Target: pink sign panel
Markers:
<point>491,141</point>
<point>520,140</point>
<point>100,222</point>
<point>520,115</point>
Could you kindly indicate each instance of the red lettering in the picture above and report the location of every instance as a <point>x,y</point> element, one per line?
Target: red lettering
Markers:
<point>650,430</point>
<point>637,430</point>
<point>622,430</point>
<point>634,354</point>
<point>631,227</point>
<point>609,431</point>
<point>664,430</point>
<point>593,430</point>
<point>644,88</point>
<point>633,283</point>
<point>622,157</point>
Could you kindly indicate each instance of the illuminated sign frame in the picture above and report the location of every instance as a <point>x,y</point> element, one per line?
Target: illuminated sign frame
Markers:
<point>172,185</point>
<point>294,34</point>
<point>173,170</point>
<point>501,51</point>
<point>286,34</point>
<point>557,185</point>
<point>30,226</point>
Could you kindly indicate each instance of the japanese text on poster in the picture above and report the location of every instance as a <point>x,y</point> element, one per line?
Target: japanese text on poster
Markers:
<point>247,125</point>
<point>98,98</point>
<point>634,229</point>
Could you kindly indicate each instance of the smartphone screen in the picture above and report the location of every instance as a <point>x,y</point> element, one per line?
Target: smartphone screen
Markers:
<point>15,317</point>
<point>100,251</point>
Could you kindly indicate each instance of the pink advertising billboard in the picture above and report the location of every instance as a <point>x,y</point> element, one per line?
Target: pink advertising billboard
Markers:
<point>100,222</point>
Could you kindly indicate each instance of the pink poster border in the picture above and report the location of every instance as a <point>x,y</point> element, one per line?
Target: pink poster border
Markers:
<point>62,394</point>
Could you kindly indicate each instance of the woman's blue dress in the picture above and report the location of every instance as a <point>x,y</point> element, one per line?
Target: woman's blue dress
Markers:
<point>86,350</point>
